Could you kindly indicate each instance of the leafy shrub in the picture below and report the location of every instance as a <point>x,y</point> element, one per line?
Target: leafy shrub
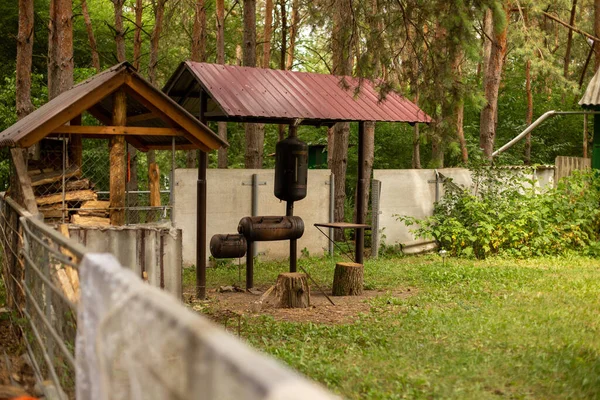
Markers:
<point>503,213</point>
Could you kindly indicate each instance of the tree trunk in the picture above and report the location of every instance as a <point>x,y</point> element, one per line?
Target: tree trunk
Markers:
<point>293,34</point>
<point>254,137</point>
<point>268,33</point>
<point>24,58</point>
<point>342,62</point>
<point>416,153</point>
<point>569,40</point>
<point>292,290</point>
<point>91,37</point>
<point>459,107</point>
<point>348,279</point>
<point>221,126</point>
<point>60,47</point>
<point>159,12</point>
<point>137,38</point>
<point>199,32</point>
<point>493,72</point>
<point>119,31</point>
<point>284,29</point>
<point>369,156</point>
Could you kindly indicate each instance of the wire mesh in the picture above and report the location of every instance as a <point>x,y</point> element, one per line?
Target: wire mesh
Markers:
<point>72,184</point>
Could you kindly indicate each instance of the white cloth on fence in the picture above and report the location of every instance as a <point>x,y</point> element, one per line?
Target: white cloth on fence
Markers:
<point>135,342</point>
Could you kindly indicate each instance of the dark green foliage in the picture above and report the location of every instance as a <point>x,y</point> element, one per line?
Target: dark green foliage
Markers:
<point>504,214</point>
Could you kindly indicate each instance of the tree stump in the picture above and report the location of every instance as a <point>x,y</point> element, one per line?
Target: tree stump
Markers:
<point>348,279</point>
<point>292,290</point>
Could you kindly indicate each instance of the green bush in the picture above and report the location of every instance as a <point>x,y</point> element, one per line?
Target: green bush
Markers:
<point>503,213</point>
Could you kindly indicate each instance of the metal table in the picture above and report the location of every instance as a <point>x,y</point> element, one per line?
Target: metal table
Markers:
<point>343,226</point>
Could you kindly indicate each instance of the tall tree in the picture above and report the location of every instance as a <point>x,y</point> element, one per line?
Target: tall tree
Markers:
<point>459,106</point>
<point>267,34</point>
<point>24,58</point>
<point>159,13</point>
<point>91,38</point>
<point>254,137</point>
<point>342,63</point>
<point>137,37</point>
<point>119,30</point>
<point>198,54</point>
<point>294,27</point>
<point>60,47</point>
<point>569,40</point>
<point>221,126</point>
<point>492,77</point>
<point>597,33</point>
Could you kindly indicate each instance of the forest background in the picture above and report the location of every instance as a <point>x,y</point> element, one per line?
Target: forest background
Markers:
<point>483,69</point>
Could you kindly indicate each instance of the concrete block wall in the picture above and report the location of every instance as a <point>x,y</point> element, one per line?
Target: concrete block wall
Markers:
<point>412,192</point>
<point>230,199</point>
<point>153,253</point>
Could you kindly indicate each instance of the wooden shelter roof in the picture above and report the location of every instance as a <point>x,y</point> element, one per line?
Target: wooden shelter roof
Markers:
<point>153,119</point>
<point>275,96</point>
<point>591,97</point>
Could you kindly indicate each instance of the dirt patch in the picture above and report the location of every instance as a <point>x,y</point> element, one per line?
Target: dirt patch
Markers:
<point>225,308</point>
<point>15,371</point>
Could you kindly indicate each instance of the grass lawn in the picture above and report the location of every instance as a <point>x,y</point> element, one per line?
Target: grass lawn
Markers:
<point>523,329</point>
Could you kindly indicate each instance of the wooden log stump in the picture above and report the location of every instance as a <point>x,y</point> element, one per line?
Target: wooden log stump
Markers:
<point>292,290</point>
<point>348,279</point>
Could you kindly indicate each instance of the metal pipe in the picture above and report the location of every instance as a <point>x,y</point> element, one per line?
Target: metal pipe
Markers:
<point>331,210</point>
<point>172,183</point>
<point>255,205</point>
<point>250,266</point>
<point>535,124</point>
<point>201,213</point>
<point>375,193</point>
<point>289,211</point>
<point>360,189</point>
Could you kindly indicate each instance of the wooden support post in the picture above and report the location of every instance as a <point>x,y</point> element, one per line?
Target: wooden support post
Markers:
<point>117,161</point>
<point>360,190</point>
<point>292,290</point>
<point>348,279</point>
<point>75,145</point>
<point>25,191</point>
<point>154,187</point>
<point>201,213</point>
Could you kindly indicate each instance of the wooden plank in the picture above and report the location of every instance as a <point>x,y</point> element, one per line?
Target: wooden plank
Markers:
<point>76,195</point>
<point>198,134</point>
<point>54,176</point>
<point>117,161</point>
<point>53,211</point>
<point>37,171</point>
<point>141,117</point>
<point>24,181</point>
<point>89,221</point>
<point>95,208</point>
<point>117,130</point>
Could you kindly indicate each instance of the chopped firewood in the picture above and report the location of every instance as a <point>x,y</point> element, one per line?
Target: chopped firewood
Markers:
<point>54,176</point>
<point>95,208</point>
<point>53,211</point>
<point>77,195</point>
<point>80,184</point>
<point>70,271</point>
<point>38,171</point>
<point>89,221</point>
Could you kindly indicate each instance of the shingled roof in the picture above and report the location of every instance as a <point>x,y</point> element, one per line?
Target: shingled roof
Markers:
<point>147,107</point>
<point>275,96</point>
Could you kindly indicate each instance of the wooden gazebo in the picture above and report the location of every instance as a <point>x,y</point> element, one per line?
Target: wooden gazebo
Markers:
<point>243,94</point>
<point>131,110</point>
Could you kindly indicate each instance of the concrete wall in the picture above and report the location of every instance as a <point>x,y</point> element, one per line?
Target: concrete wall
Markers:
<point>230,199</point>
<point>157,251</point>
<point>412,192</point>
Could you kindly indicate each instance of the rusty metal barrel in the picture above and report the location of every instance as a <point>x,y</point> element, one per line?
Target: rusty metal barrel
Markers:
<point>228,246</point>
<point>291,169</point>
<point>264,229</point>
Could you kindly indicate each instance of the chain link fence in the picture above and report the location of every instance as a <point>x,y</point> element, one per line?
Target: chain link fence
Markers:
<point>71,182</point>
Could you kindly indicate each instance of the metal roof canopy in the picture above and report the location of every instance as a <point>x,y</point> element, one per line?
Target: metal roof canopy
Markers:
<point>154,121</point>
<point>244,94</point>
<point>591,97</point>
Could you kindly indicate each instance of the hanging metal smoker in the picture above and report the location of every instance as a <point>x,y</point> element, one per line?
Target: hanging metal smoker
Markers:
<point>291,176</point>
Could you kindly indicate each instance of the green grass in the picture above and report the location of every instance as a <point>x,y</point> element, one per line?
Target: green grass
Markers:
<point>472,330</point>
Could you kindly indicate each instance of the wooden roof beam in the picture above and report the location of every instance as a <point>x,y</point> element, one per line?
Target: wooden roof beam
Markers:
<point>117,130</point>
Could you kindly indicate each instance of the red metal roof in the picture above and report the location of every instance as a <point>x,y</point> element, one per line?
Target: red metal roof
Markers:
<point>243,93</point>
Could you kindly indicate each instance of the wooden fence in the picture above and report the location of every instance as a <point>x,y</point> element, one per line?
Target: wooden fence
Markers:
<point>566,165</point>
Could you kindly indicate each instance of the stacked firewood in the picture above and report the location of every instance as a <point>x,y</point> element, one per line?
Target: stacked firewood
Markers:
<point>81,201</point>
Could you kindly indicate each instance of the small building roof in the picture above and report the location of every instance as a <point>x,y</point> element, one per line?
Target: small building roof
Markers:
<point>147,107</point>
<point>276,96</point>
<point>591,97</point>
